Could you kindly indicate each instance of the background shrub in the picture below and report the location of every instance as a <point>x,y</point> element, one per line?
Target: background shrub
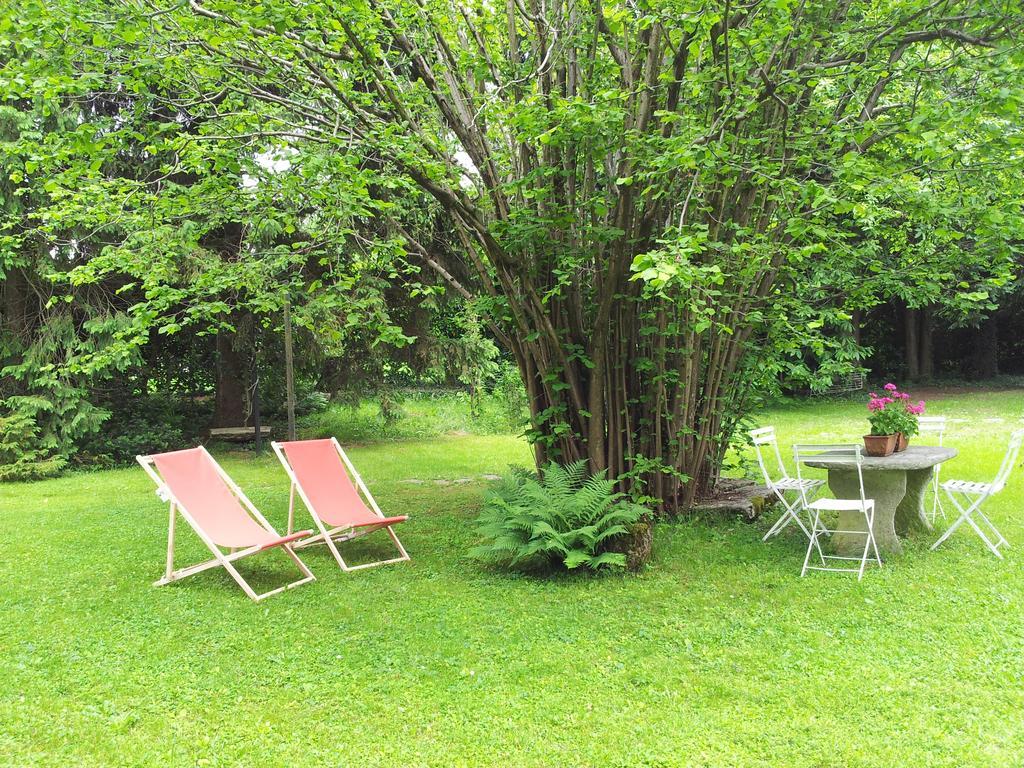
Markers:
<point>21,457</point>
<point>511,395</point>
<point>142,425</point>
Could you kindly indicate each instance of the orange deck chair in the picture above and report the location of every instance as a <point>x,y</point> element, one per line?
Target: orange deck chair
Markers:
<point>210,501</point>
<point>317,469</point>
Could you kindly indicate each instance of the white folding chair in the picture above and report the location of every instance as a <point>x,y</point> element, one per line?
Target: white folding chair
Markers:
<point>783,483</point>
<point>837,453</point>
<point>972,495</point>
<point>934,425</point>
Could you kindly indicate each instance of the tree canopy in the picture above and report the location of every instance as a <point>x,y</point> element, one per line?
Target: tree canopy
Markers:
<point>659,208</point>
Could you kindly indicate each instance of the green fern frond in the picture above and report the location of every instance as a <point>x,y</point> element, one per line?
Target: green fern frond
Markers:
<point>562,517</point>
<point>608,560</point>
<point>576,558</point>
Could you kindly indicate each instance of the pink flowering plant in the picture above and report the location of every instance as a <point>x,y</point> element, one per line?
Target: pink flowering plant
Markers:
<point>893,412</point>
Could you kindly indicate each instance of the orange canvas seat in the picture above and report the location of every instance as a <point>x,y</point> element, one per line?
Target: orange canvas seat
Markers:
<point>339,502</point>
<point>200,491</point>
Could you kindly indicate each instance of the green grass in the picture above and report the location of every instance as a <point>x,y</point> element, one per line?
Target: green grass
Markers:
<point>718,655</point>
<point>421,415</point>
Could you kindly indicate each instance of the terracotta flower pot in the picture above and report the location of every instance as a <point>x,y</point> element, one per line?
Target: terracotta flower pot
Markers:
<point>902,441</point>
<point>879,445</point>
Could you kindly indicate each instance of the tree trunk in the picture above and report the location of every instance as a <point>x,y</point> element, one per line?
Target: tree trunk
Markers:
<point>17,299</point>
<point>257,416</point>
<point>985,361</point>
<point>658,399</point>
<point>289,371</point>
<point>229,407</point>
<point>927,359</point>
<point>912,349</point>
<point>17,317</point>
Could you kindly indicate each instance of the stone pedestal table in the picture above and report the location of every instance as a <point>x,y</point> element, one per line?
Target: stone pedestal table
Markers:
<point>897,483</point>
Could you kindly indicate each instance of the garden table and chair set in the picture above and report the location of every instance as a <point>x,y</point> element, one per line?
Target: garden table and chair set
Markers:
<point>877,500</point>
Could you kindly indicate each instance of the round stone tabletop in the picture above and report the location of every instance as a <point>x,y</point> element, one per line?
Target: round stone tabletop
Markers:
<point>915,457</point>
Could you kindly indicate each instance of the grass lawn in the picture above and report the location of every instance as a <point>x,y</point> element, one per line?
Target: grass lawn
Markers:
<point>718,655</point>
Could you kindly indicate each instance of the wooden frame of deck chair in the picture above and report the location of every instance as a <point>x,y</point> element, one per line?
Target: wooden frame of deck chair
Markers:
<point>197,488</point>
<point>323,476</point>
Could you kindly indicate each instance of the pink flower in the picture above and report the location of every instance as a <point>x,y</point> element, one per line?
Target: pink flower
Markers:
<point>903,396</point>
<point>872,395</point>
<point>916,410</point>
<point>891,387</point>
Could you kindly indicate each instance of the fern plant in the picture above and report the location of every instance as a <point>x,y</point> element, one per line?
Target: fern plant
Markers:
<point>564,518</point>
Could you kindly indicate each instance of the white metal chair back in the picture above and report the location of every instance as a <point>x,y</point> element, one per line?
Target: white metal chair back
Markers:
<point>846,457</point>
<point>933,425</point>
<point>1009,461</point>
<point>834,454</point>
<point>763,438</point>
<point>936,427</point>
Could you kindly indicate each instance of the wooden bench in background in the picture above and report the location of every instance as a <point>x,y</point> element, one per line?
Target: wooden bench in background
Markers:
<point>238,434</point>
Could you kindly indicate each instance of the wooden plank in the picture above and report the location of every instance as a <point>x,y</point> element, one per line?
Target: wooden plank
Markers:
<point>238,434</point>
